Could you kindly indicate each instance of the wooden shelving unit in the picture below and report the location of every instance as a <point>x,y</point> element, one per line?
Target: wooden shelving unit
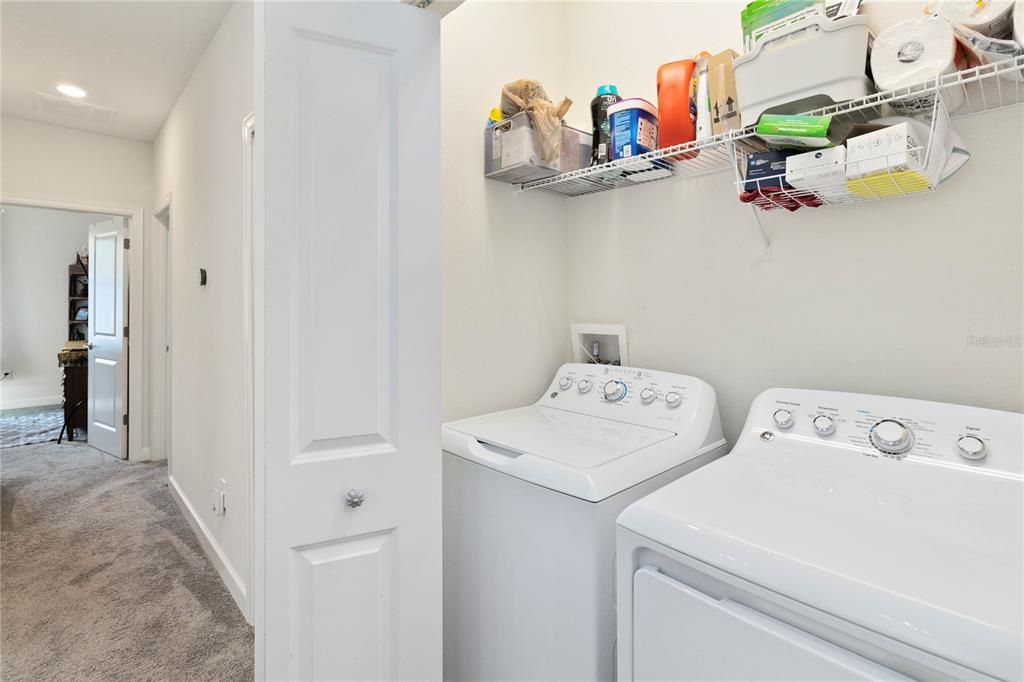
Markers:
<point>78,297</point>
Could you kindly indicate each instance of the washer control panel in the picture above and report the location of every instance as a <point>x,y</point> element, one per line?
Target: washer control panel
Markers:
<point>640,396</point>
<point>893,428</point>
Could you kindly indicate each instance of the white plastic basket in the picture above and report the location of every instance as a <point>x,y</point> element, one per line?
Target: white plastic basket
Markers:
<point>814,63</point>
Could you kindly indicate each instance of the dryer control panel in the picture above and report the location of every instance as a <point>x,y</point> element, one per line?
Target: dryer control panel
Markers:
<point>631,394</point>
<point>887,427</point>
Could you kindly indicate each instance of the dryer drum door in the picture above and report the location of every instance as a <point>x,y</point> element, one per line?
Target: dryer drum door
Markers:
<point>680,633</point>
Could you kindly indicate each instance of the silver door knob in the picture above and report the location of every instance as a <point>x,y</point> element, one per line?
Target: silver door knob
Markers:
<point>90,346</point>
<point>354,498</point>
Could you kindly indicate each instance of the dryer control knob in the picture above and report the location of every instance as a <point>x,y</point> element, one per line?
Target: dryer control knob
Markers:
<point>565,383</point>
<point>648,395</point>
<point>673,399</point>
<point>614,391</point>
<point>783,418</point>
<point>971,447</point>
<point>891,437</point>
<point>824,425</point>
<point>584,385</point>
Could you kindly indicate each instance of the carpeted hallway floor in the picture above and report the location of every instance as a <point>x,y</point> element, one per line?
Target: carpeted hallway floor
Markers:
<point>101,577</point>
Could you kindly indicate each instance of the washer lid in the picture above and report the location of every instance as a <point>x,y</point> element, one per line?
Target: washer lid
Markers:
<point>923,552</point>
<point>581,455</point>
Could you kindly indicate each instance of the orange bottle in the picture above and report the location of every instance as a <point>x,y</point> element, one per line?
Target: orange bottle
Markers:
<point>675,124</point>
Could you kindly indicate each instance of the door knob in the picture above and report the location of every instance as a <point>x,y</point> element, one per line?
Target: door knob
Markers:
<point>354,498</point>
<point>90,346</point>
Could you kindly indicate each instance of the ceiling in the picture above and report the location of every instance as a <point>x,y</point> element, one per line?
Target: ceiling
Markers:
<point>131,57</point>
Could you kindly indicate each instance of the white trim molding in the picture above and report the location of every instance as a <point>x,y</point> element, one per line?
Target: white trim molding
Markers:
<point>248,342</point>
<point>228,575</point>
<point>160,303</point>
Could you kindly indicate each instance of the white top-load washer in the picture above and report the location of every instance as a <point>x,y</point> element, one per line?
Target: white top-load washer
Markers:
<point>845,537</point>
<point>530,501</point>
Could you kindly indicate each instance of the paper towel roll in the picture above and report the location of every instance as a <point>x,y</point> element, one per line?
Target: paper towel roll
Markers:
<point>915,51</point>
<point>884,13</point>
<point>988,17</point>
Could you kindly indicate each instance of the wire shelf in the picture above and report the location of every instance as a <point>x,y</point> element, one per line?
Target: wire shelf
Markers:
<point>929,157</point>
<point>964,93</point>
<point>690,159</point>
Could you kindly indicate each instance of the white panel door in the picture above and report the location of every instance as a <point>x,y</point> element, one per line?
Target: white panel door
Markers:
<point>107,366</point>
<point>349,155</point>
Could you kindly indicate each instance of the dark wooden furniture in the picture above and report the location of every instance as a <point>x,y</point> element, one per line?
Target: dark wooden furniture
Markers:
<point>76,362</point>
<point>78,299</point>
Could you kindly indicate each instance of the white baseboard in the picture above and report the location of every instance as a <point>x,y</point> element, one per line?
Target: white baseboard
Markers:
<point>41,401</point>
<point>146,455</point>
<point>227,572</point>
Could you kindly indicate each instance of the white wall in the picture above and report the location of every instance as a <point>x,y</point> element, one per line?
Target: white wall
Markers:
<point>198,162</point>
<point>883,297</point>
<point>60,164</point>
<point>37,246</point>
<point>504,288</point>
<point>51,163</point>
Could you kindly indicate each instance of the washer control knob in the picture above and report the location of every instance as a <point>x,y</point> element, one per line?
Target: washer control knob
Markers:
<point>673,399</point>
<point>614,391</point>
<point>584,385</point>
<point>783,418</point>
<point>891,437</point>
<point>824,425</point>
<point>565,383</point>
<point>648,395</point>
<point>971,447</point>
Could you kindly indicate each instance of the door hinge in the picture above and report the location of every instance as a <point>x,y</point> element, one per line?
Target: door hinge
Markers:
<point>124,420</point>
<point>126,332</point>
<point>127,243</point>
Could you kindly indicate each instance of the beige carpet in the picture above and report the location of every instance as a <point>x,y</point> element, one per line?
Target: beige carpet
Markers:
<point>101,577</point>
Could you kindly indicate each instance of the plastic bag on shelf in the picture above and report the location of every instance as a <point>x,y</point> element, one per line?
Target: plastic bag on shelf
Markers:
<point>545,116</point>
<point>980,49</point>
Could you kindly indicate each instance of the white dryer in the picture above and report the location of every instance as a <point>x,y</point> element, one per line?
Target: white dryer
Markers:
<point>845,537</point>
<point>530,501</point>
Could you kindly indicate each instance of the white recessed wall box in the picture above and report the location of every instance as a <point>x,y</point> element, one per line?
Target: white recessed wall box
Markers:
<point>610,340</point>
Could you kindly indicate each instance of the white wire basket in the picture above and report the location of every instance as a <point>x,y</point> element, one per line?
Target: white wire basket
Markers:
<point>928,154</point>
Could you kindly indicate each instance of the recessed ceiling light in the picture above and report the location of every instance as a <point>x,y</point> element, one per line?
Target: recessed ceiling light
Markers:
<point>70,90</point>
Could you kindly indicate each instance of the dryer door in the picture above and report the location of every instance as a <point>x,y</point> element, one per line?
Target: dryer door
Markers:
<point>682,634</point>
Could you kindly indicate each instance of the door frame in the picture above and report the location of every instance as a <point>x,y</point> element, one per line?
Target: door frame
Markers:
<point>251,279</point>
<point>138,312</point>
<point>255,227</point>
<point>163,308</point>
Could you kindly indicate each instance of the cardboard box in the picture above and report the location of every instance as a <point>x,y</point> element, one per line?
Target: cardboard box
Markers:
<point>822,171</point>
<point>511,154</point>
<point>725,108</point>
<point>807,132</point>
<point>767,170</point>
<point>891,149</point>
